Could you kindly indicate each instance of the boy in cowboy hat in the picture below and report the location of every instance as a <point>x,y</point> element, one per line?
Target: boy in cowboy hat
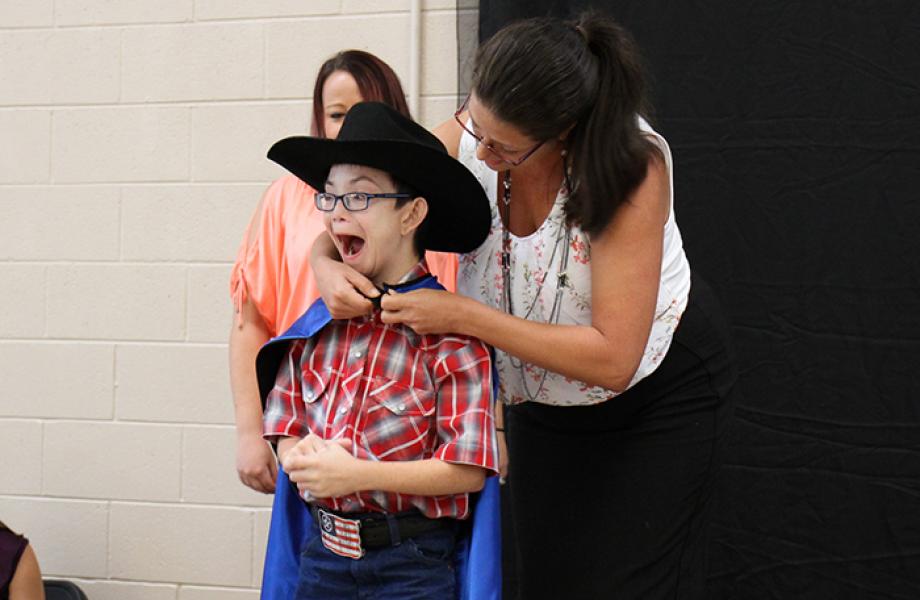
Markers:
<point>386,433</point>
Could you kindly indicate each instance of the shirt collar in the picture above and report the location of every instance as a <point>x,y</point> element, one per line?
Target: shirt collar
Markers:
<point>413,276</point>
<point>419,271</point>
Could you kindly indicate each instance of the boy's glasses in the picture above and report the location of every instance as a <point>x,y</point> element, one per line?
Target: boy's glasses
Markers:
<point>352,201</point>
<point>511,161</point>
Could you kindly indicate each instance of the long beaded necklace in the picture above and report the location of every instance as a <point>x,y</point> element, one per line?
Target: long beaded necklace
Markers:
<point>563,238</point>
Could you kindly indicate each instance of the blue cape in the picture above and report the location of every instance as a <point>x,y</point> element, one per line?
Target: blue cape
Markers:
<point>478,551</point>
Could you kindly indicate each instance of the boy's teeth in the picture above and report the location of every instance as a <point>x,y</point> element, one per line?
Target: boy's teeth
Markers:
<point>351,244</point>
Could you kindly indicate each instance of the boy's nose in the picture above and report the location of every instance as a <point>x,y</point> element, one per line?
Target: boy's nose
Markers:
<point>339,210</point>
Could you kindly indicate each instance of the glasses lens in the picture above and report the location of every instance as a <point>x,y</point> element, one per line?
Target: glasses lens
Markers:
<point>355,201</point>
<point>479,138</point>
<point>324,201</point>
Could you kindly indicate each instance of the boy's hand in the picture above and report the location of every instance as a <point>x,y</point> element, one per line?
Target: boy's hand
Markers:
<point>321,468</point>
<point>309,445</point>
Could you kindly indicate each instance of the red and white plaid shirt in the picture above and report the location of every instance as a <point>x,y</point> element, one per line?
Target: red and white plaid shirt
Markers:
<point>397,395</point>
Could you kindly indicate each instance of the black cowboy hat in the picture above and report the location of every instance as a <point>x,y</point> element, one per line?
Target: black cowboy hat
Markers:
<point>375,135</point>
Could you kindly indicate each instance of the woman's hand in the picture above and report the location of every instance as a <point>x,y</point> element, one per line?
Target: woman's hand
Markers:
<point>344,290</point>
<point>425,311</point>
<point>255,463</point>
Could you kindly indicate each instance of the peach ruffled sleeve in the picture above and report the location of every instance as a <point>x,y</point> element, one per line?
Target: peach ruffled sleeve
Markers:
<point>272,268</point>
<point>254,273</point>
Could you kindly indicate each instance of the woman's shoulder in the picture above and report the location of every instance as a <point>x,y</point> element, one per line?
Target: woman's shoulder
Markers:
<point>449,132</point>
<point>649,133</point>
<point>285,198</point>
<point>10,541</point>
<point>286,190</point>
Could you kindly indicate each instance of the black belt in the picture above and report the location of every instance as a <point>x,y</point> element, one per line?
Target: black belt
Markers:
<point>380,530</point>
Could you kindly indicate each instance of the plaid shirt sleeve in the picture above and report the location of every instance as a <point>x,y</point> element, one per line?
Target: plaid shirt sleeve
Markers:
<point>285,402</point>
<point>466,427</point>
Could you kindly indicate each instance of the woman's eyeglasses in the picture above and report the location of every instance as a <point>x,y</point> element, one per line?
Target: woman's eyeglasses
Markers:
<point>498,153</point>
<point>352,201</point>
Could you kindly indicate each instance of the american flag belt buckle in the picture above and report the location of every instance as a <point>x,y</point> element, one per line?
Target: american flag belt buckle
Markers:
<point>340,535</point>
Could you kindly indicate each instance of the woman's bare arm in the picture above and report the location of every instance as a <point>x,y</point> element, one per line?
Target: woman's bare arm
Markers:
<point>625,274</point>
<point>255,462</point>
<point>27,580</point>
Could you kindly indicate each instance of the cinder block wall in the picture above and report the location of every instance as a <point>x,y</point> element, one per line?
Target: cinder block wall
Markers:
<point>132,143</point>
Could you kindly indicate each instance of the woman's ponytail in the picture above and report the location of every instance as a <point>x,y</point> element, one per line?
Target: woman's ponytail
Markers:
<point>547,76</point>
<point>608,154</point>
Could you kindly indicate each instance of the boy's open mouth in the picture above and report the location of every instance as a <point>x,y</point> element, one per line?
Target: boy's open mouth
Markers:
<point>351,245</point>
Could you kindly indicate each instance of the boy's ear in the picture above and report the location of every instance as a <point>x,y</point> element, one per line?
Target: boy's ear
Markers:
<point>413,215</point>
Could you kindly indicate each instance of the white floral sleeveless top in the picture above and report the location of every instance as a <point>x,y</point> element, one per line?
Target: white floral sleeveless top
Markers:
<point>533,260</point>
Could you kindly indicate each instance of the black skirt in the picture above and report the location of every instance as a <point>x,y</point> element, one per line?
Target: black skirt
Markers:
<point>611,500</point>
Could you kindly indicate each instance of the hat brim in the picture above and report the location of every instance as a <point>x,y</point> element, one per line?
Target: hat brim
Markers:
<point>459,216</point>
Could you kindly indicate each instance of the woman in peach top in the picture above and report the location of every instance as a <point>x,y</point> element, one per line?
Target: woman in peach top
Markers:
<point>271,284</point>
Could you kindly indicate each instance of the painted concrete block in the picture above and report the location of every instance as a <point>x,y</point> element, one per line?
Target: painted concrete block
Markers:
<point>209,469</point>
<point>115,144</point>
<point>25,154</point>
<point>23,304</point>
<point>210,311</point>
<point>173,383</point>
<point>27,13</point>
<point>185,222</point>
<point>59,223</point>
<point>221,153</point>
<point>191,544</point>
<point>56,380</point>
<point>193,62</point>
<point>116,301</point>
<point>206,10</point>
<point>21,449</point>
<point>109,12</point>
<point>112,461</point>
<point>296,49</point>
<point>70,537</point>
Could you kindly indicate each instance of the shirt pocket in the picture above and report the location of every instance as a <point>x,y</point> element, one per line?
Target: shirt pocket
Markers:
<point>401,420</point>
<point>314,384</point>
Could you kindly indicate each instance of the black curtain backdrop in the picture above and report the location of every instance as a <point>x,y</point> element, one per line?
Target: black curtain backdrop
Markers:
<point>795,128</point>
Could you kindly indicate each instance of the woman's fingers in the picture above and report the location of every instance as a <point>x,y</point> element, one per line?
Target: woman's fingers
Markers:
<point>362,284</point>
<point>343,289</point>
<point>347,298</point>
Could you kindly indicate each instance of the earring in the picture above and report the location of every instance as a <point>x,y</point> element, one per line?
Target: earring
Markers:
<point>564,152</point>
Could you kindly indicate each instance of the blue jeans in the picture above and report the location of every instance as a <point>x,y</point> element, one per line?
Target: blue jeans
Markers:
<point>420,568</point>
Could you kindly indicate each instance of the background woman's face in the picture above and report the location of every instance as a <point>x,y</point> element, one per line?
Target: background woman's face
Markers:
<point>340,93</point>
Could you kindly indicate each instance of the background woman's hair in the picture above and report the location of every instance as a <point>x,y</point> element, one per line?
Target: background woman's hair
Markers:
<point>376,81</point>
<point>545,75</point>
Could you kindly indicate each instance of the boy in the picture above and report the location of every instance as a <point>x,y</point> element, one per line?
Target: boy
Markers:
<point>385,432</point>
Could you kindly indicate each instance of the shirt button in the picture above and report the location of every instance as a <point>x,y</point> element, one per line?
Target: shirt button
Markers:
<point>402,407</point>
<point>309,395</point>
<point>357,354</point>
<point>343,410</point>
